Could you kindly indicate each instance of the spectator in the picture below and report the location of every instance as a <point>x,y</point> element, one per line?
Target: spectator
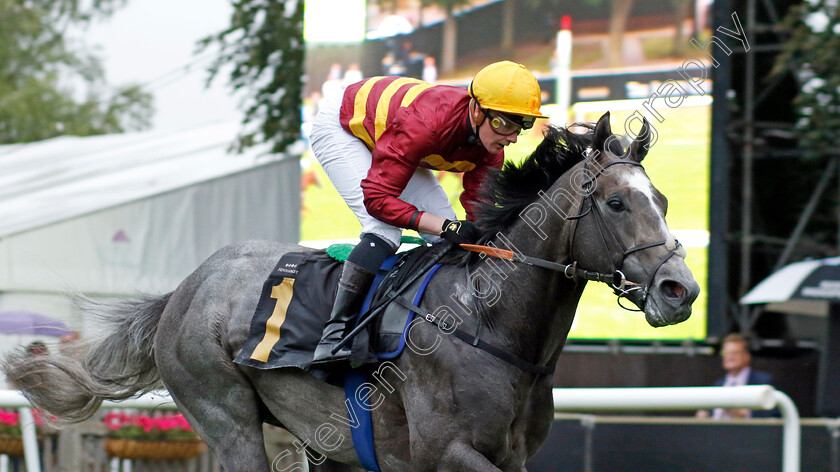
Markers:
<point>37,348</point>
<point>69,345</point>
<point>430,73</point>
<point>334,82</point>
<point>736,363</point>
<point>353,74</point>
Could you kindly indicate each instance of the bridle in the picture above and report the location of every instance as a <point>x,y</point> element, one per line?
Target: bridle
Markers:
<point>619,283</point>
<point>622,287</point>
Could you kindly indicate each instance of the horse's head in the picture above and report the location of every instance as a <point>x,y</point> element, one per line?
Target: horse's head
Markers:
<point>621,229</point>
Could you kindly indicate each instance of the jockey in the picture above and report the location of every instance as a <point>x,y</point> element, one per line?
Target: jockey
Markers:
<point>377,143</point>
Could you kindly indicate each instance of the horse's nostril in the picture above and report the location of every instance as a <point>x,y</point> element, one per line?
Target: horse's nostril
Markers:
<point>673,289</point>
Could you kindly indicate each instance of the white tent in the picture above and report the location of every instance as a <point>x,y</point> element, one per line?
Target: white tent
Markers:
<point>113,215</point>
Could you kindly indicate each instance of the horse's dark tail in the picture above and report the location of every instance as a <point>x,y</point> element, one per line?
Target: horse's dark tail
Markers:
<point>116,366</point>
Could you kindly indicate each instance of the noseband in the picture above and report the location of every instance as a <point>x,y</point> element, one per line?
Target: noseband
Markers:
<point>620,285</point>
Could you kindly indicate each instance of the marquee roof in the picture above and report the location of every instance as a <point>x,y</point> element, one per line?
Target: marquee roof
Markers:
<point>62,178</point>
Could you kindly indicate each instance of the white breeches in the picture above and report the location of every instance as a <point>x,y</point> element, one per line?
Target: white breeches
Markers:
<point>346,160</point>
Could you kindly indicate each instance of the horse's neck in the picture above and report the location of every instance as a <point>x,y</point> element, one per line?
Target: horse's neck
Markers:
<point>534,307</point>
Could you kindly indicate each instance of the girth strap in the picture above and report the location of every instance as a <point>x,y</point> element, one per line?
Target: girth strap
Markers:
<point>358,411</point>
<point>475,341</point>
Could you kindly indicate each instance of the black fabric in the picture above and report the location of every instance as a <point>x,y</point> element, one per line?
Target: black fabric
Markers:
<point>389,328</point>
<point>371,252</point>
<point>310,281</point>
<point>301,324</point>
<point>821,284</point>
<point>413,221</point>
<point>407,265</point>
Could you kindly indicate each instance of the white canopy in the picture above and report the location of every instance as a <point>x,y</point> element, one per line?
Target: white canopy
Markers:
<point>117,214</point>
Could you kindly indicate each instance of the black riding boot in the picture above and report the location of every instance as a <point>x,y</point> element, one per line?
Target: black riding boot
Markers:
<point>352,288</point>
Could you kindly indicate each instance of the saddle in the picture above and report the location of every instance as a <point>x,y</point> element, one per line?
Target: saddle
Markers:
<point>297,297</point>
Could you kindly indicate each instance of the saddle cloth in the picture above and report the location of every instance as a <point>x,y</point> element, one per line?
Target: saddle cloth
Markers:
<point>296,301</point>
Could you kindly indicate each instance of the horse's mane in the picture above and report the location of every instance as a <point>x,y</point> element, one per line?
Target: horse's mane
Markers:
<point>506,192</point>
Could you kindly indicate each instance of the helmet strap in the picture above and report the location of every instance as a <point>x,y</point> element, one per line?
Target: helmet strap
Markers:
<point>473,138</point>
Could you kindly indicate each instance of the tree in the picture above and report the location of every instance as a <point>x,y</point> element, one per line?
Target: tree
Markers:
<point>619,13</point>
<point>48,87</point>
<point>682,10</point>
<point>811,53</point>
<point>618,25</point>
<point>264,49</point>
<point>450,32</point>
<point>508,17</point>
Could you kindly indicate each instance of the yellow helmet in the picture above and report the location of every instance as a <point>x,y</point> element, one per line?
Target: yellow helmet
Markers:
<point>507,87</point>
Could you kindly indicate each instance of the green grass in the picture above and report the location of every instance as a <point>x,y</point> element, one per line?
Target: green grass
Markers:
<point>658,47</point>
<point>586,54</point>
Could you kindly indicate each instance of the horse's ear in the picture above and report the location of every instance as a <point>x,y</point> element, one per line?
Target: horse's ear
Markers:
<point>639,147</point>
<point>601,134</point>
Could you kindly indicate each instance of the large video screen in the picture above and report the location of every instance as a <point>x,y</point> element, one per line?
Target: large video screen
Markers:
<point>678,165</point>
<point>656,62</point>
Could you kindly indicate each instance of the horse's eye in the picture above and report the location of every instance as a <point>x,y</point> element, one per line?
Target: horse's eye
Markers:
<point>615,205</point>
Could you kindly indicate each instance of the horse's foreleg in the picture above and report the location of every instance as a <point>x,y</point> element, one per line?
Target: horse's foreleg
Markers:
<point>460,457</point>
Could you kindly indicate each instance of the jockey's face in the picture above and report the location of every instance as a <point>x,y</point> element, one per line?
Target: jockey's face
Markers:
<point>491,139</point>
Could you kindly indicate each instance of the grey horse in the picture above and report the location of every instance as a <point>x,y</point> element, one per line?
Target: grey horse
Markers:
<point>580,206</point>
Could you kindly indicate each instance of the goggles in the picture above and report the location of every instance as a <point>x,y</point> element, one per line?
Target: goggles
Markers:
<point>507,125</point>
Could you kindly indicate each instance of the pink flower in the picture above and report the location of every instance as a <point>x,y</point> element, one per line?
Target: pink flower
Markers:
<point>9,418</point>
<point>114,421</point>
<point>167,425</point>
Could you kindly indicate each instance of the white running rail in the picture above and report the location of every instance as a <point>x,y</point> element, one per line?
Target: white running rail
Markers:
<point>757,397</point>
<point>754,397</point>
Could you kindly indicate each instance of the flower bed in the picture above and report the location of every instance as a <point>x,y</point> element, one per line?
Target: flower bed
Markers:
<point>165,437</point>
<point>11,442</point>
<point>154,450</point>
<point>9,423</point>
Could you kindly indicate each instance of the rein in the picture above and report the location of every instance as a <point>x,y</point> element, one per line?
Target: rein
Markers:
<point>616,280</point>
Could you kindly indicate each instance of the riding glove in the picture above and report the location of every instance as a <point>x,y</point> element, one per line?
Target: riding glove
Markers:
<point>460,232</point>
